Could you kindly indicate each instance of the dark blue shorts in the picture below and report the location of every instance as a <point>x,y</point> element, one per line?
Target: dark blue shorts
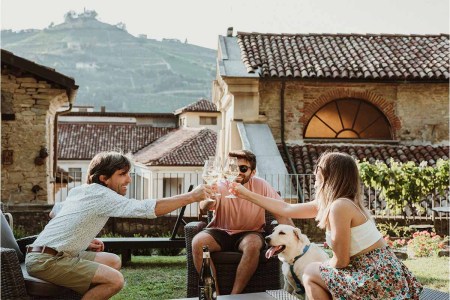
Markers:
<point>230,242</point>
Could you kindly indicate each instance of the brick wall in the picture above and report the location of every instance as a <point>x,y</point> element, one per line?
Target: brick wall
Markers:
<point>32,104</point>
<point>418,113</point>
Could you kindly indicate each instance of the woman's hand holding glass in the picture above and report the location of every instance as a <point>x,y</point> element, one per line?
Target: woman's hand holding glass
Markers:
<point>237,189</point>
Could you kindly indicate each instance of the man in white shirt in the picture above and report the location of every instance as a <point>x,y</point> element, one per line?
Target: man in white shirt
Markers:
<point>58,254</point>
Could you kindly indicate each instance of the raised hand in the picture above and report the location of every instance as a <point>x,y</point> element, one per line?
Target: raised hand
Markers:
<point>201,192</point>
<point>237,189</point>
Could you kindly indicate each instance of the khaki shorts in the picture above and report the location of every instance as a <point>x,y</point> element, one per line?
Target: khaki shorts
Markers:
<point>73,272</point>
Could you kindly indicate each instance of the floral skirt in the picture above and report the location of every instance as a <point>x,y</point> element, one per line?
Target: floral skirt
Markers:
<point>378,274</point>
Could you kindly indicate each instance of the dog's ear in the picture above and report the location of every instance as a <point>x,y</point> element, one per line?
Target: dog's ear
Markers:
<point>298,233</point>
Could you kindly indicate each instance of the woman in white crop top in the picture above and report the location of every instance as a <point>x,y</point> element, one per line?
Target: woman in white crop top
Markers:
<point>362,267</point>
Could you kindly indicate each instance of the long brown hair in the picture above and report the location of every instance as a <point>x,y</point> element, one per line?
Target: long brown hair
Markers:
<point>340,180</point>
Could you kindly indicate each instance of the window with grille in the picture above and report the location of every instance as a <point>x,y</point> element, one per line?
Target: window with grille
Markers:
<point>348,119</point>
<point>75,173</point>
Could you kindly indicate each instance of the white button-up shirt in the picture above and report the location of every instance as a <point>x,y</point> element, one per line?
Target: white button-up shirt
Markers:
<point>84,213</point>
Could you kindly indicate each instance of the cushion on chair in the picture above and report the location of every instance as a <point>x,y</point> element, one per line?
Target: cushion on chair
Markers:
<point>7,238</point>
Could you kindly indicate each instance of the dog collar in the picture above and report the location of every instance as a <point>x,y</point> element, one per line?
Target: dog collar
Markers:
<point>300,288</point>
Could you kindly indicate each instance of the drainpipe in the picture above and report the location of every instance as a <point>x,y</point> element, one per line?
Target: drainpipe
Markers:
<point>286,151</point>
<point>55,138</point>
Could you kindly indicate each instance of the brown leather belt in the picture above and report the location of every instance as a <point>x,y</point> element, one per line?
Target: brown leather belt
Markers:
<point>43,249</point>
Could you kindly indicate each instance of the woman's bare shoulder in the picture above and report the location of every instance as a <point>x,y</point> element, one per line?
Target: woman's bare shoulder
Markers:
<point>342,203</point>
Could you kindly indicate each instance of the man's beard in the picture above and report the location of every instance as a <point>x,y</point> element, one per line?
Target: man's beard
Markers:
<point>244,180</point>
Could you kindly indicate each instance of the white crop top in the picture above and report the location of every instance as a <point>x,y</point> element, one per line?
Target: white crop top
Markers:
<point>361,237</point>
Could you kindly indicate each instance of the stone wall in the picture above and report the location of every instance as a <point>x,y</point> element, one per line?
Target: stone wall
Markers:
<point>424,112</point>
<point>418,113</point>
<point>29,106</point>
<point>32,219</point>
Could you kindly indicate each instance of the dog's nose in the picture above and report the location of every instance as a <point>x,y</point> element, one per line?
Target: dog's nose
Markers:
<point>267,239</point>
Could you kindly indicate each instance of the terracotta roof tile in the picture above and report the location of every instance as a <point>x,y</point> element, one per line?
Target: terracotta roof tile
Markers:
<point>118,114</point>
<point>202,105</point>
<point>305,156</point>
<point>346,56</point>
<point>82,141</point>
<point>182,147</point>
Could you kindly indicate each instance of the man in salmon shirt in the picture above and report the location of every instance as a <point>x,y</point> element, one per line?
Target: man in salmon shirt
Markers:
<point>237,224</point>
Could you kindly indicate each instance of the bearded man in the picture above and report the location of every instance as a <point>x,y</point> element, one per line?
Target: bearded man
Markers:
<point>237,224</point>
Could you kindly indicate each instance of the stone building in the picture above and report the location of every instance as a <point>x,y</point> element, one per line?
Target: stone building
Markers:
<point>33,96</point>
<point>374,96</point>
<point>290,97</point>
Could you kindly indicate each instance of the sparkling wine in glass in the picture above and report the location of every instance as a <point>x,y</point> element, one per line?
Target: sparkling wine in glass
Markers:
<point>210,174</point>
<point>231,171</point>
<point>214,162</point>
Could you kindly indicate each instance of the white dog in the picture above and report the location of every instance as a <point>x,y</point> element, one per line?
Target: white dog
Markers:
<point>295,251</point>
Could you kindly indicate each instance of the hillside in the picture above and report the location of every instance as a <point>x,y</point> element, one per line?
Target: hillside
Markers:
<point>117,70</point>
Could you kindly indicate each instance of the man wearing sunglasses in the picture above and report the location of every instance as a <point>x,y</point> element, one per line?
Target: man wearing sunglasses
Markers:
<point>237,224</point>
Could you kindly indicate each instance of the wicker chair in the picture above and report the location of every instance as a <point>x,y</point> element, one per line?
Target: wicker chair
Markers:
<point>18,284</point>
<point>268,275</point>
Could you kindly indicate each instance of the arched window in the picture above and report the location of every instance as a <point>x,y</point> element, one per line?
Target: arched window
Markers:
<point>348,119</point>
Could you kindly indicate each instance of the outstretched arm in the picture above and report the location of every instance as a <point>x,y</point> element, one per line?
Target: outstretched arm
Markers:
<point>166,205</point>
<point>280,208</point>
<point>283,220</point>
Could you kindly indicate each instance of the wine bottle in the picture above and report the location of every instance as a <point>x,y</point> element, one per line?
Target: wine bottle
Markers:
<point>206,282</point>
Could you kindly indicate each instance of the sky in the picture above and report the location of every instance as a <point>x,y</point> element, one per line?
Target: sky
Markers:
<point>202,21</point>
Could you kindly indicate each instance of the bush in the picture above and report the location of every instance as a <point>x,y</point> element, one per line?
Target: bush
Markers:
<point>393,230</point>
<point>169,251</point>
<point>395,243</point>
<point>20,232</point>
<point>424,244</point>
<point>405,184</point>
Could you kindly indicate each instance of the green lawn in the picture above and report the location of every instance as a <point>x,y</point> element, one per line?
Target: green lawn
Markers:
<point>432,272</point>
<point>164,277</point>
<point>154,277</point>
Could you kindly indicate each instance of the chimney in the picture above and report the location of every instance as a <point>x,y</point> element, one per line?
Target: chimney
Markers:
<point>230,31</point>
<point>102,109</point>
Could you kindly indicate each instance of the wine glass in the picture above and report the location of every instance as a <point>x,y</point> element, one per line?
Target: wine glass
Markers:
<point>215,163</point>
<point>231,171</point>
<point>210,174</point>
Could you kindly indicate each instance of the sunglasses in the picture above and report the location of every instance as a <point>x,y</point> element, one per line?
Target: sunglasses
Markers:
<point>243,168</point>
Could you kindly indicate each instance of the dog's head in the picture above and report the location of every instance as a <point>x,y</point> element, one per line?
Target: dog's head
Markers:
<point>285,238</point>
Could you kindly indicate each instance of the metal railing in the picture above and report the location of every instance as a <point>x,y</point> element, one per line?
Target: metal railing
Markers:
<point>294,188</point>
